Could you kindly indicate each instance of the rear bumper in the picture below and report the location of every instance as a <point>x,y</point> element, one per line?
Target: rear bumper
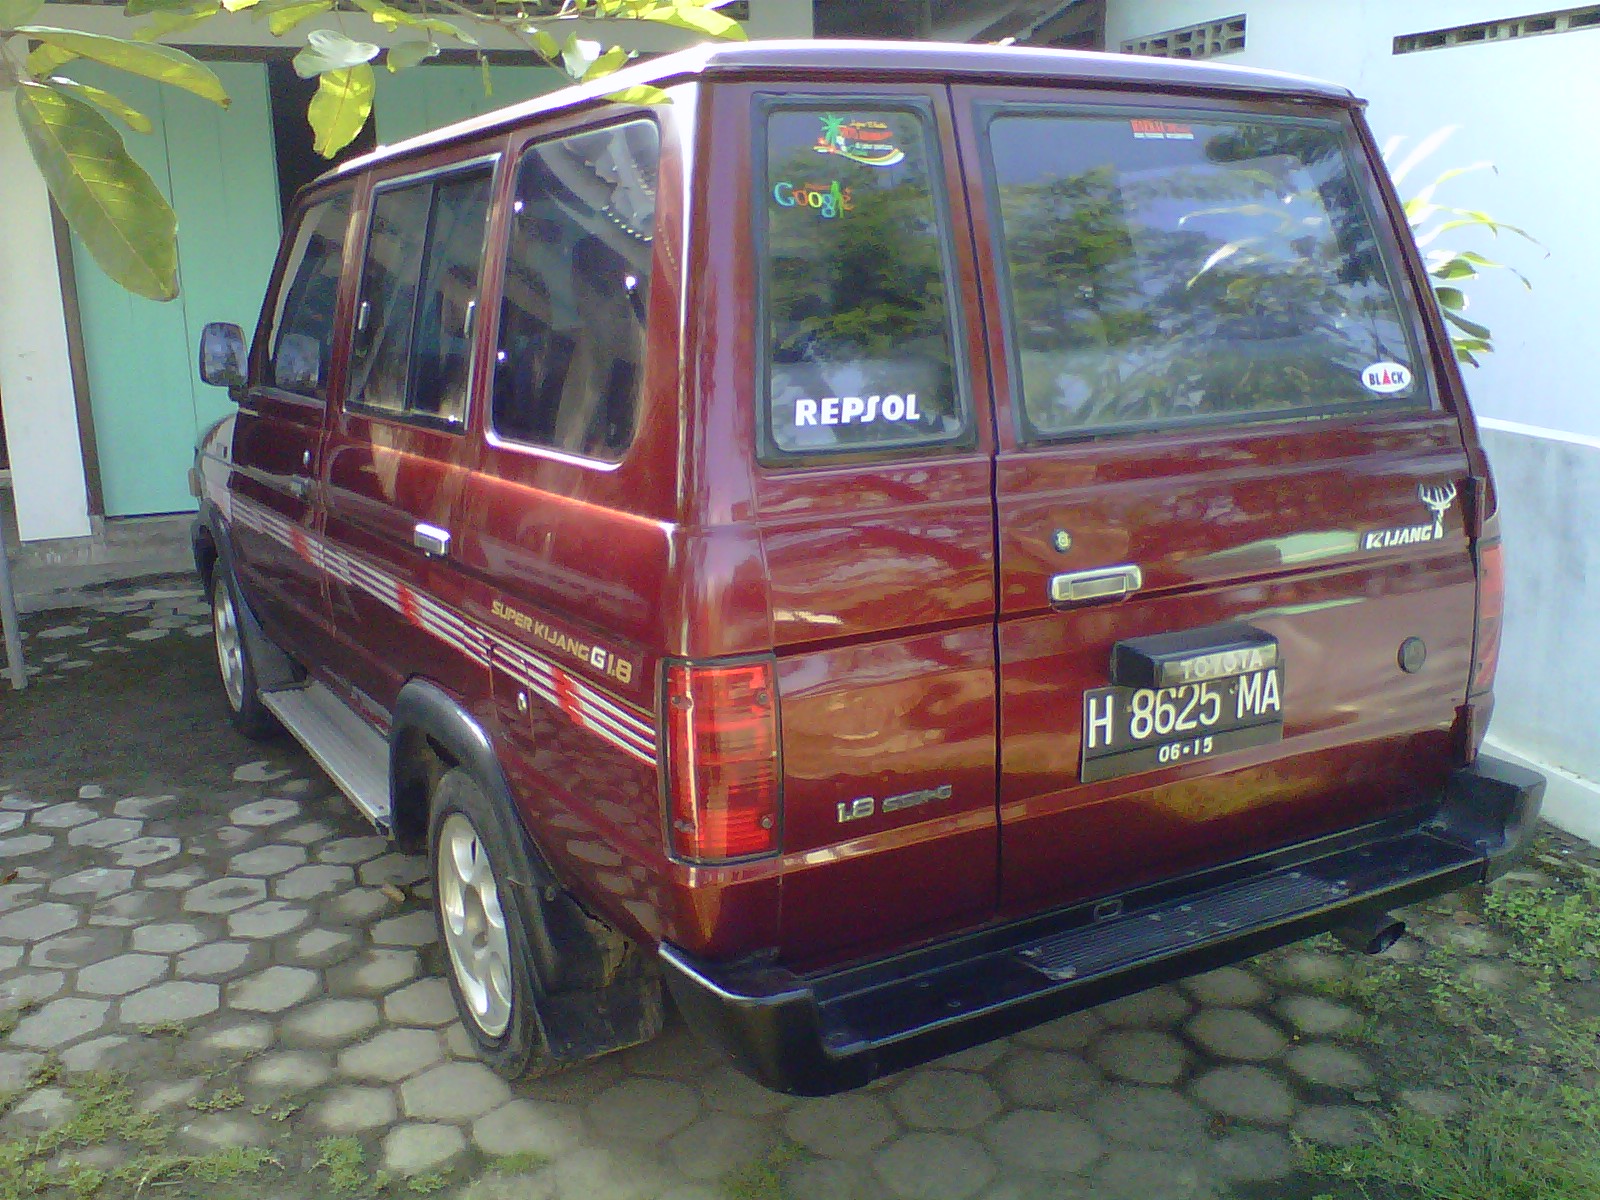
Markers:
<point>828,1032</point>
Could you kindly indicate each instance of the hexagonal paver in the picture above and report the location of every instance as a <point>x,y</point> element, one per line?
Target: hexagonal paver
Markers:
<point>352,850</point>
<point>1236,1033</point>
<point>528,1127</point>
<point>290,1071</point>
<point>267,860</point>
<point>168,938</point>
<point>32,987</point>
<point>1329,1066</point>
<point>319,947</point>
<point>225,895</point>
<point>392,1055</point>
<point>59,1022</point>
<point>411,929</point>
<point>1334,1125</point>
<point>304,883</point>
<point>1043,1079</point>
<point>262,813</point>
<point>132,908</point>
<point>38,921</point>
<point>454,1092</point>
<point>214,960</point>
<point>77,948</point>
<point>410,1149</point>
<point>1130,1174</point>
<point>107,831</point>
<point>1072,1032</point>
<point>331,1022</point>
<point>645,1109</point>
<point>1149,1118</point>
<point>93,881</point>
<point>944,1100</point>
<point>272,990</point>
<point>714,1146</point>
<point>1051,1143</point>
<point>359,905</point>
<point>1141,1055</point>
<point>25,844</point>
<point>305,834</point>
<point>1226,986</point>
<point>1249,1093</point>
<point>846,1126</point>
<point>120,975</point>
<point>376,972</point>
<point>425,1002</point>
<point>1254,1155</point>
<point>354,1109</point>
<point>146,851</point>
<point>1159,1006</point>
<point>934,1166</point>
<point>141,806</point>
<point>1315,1016</point>
<point>179,1000</point>
<point>269,919</point>
<point>64,816</point>
<point>399,869</point>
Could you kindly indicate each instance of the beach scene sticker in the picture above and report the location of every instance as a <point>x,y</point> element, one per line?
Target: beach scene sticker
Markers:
<point>870,143</point>
<point>1153,130</point>
<point>1385,378</point>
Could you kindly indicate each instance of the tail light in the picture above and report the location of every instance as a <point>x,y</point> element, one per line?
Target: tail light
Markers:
<point>1491,611</point>
<point>722,761</point>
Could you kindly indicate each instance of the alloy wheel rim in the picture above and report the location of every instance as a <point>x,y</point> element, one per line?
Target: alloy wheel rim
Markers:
<point>474,925</point>
<point>230,651</point>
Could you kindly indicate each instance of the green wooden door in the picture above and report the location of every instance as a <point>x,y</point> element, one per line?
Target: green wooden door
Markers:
<point>217,168</point>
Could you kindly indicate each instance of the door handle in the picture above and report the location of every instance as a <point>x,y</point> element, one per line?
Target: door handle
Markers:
<point>431,540</point>
<point>1102,583</point>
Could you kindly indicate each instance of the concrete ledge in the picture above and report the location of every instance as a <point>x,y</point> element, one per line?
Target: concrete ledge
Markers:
<point>1571,802</point>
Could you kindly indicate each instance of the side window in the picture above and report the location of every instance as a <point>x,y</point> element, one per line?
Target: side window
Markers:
<point>419,293</point>
<point>570,356</point>
<point>1174,268</point>
<point>858,323</point>
<point>300,342</point>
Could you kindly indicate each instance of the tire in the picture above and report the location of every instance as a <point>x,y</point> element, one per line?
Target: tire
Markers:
<point>474,850</point>
<point>235,670</point>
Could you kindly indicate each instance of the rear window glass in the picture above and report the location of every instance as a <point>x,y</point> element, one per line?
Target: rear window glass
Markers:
<point>858,329</point>
<point>1172,269</point>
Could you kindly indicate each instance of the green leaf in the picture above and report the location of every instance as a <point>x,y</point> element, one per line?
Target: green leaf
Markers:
<point>341,107</point>
<point>606,64</point>
<point>139,8</point>
<point>684,14</point>
<point>402,56</point>
<point>115,105</point>
<point>326,50</point>
<point>544,44</point>
<point>1454,267</point>
<point>1466,326</point>
<point>164,23</point>
<point>43,60</point>
<point>642,94</point>
<point>389,17</point>
<point>111,204</point>
<point>1452,299</point>
<point>15,12</point>
<point>578,55</point>
<point>239,5</point>
<point>164,64</point>
<point>282,19</point>
<point>483,72</point>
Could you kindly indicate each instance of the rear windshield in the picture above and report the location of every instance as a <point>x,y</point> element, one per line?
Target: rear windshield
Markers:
<point>1172,269</point>
<point>858,327</point>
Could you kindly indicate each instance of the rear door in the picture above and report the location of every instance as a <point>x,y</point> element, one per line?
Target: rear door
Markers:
<point>872,493</point>
<point>1216,423</point>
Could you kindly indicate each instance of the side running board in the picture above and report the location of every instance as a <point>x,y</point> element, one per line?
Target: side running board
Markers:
<point>353,753</point>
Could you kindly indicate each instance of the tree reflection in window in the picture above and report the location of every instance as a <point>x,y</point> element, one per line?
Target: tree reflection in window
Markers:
<point>1213,269</point>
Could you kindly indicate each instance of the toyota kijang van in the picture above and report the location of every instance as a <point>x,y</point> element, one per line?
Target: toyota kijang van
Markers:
<point>889,545</point>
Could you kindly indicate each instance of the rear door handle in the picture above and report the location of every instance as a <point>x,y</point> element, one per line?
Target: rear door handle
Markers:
<point>431,540</point>
<point>1103,583</point>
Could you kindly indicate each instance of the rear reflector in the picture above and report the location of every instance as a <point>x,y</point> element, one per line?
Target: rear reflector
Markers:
<point>1491,610</point>
<point>722,761</point>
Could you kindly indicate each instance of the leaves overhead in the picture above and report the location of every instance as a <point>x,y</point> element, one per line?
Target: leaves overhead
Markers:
<point>108,200</point>
<point>326,51</point>
<point>115,105</point>
<point>16,12</point>
<point>341,107</point>
<point>164,64</point>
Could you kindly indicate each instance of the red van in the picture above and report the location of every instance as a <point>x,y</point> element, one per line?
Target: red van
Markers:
<point>896,544</point>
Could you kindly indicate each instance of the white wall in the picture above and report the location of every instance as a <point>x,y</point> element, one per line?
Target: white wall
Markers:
<point>1521,104</point>
<point>41,415</point>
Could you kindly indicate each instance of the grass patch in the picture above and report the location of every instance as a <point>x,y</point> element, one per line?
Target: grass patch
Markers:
<point>164,1029</point>
<point>520,1163</point>
<point>1556,933</point>
<point>346,1164</point>
<point>763,1178</point>
<point>1507,1145</point>
<point>218,1101</point>
<point>105,1115</point>
<point>432,1181</point>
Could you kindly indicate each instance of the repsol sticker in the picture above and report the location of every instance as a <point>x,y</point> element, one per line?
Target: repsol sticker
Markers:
<point>856,410</point>
<point>1385,378</point>
<point>827,200</point>
<point>870,143</point>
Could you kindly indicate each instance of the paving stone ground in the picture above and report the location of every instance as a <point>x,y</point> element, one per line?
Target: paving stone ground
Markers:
<point>205,917</point>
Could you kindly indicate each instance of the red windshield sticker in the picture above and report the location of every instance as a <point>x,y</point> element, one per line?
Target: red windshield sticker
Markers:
<point>1158,130</point>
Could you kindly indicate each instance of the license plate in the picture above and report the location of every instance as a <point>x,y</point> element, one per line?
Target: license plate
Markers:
<point>1139,729</point>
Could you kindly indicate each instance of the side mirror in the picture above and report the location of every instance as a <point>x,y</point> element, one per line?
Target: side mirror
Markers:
<point>222,355</point>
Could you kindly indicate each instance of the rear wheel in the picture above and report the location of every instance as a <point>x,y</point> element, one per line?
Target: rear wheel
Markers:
<point>484,922</point>
<point>250,717</point>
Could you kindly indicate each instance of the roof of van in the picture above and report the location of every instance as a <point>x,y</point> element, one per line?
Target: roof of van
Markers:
<point>808,59</point>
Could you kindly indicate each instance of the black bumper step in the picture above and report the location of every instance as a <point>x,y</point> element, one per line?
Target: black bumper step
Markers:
<point>826,1032</point>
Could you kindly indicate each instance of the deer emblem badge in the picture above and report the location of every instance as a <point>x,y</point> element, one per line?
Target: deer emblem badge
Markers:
<point>1438,498</point>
